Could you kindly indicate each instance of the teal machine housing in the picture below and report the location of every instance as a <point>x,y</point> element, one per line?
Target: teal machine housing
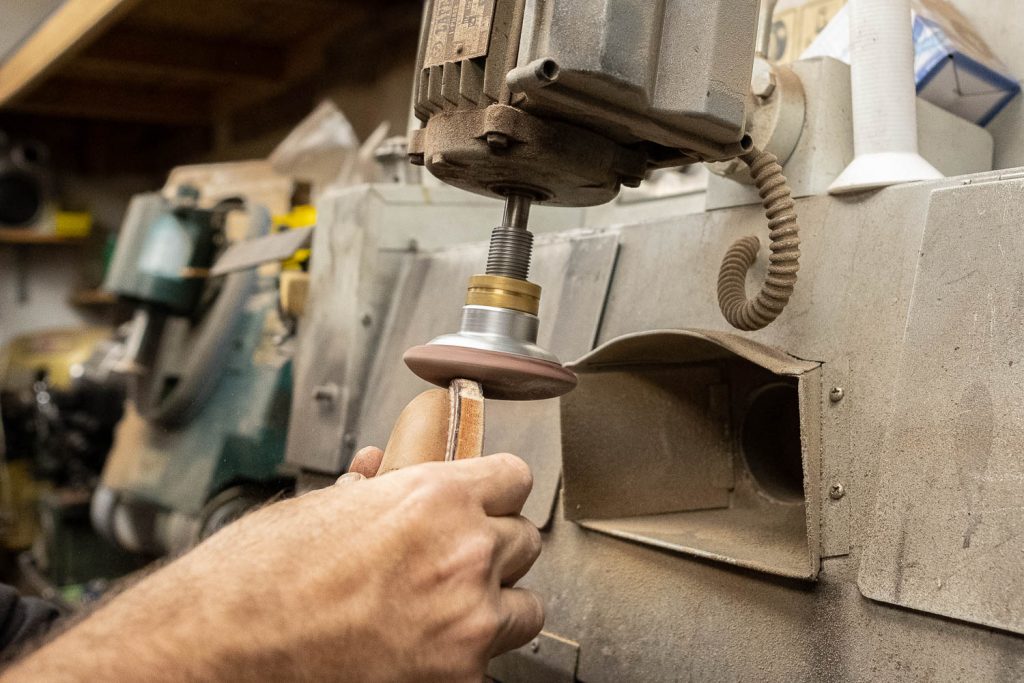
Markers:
<point>158,256</point>
<point>209,369</point>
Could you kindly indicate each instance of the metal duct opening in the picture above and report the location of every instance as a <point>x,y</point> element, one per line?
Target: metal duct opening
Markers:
<point>770,440</point>
<point>703,443</point>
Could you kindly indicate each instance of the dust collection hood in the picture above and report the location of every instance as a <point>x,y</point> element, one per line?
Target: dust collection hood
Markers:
<point>704,443</point>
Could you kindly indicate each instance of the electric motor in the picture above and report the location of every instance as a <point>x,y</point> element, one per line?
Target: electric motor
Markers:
<point>566,101</point>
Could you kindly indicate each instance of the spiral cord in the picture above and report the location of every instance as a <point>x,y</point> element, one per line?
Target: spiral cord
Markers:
<point>784,243</point>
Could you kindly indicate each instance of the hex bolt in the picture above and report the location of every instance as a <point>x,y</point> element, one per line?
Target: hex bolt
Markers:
<point>326,393</point>
<point>836,395</point>
<point>763,83</point>
<point>836,491</point>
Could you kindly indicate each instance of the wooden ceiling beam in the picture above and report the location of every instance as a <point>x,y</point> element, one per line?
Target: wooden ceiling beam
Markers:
<point>69,28</point>
<point>178,58</point>
<point>117,102</point>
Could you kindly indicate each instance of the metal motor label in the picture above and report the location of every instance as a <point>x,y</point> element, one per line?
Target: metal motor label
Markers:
<point>459,29</point>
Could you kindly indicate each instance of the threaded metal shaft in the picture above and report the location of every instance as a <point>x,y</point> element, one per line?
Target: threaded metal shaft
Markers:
<point>512,243</point>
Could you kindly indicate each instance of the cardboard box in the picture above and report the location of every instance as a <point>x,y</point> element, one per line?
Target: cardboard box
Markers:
<point>954,67</point>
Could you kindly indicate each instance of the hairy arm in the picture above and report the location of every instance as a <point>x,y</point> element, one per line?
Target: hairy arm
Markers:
<point>405,577</point>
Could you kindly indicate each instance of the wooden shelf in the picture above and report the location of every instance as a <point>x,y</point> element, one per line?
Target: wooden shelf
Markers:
<point>15,236</point>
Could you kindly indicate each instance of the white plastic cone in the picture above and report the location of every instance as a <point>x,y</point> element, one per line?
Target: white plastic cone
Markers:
<point>884,99</point>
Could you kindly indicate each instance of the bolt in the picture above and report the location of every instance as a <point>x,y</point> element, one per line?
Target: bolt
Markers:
<point>497,141</point>
<point>326,393</point>
<point>534,645</point>
<point>836,395</point>
<point>836,491</point>
<point>763,83</point>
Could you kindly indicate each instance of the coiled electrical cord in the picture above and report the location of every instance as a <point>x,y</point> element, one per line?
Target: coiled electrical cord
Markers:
<point>784,262</point>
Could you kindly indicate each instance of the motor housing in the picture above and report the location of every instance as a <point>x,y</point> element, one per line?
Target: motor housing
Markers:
<point>566,101</point>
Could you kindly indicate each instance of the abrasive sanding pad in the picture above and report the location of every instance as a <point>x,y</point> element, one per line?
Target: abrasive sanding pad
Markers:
<point>504,377</point>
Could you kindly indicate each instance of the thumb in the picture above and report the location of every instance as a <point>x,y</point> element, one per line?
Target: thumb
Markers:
<point>366,462</point>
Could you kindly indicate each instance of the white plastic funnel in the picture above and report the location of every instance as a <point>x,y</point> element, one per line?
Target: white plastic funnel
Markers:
<point>884,99</point>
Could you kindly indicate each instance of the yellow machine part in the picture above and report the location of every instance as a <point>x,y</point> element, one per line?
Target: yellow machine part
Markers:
<point>55,351</point>
<point>302,216</point>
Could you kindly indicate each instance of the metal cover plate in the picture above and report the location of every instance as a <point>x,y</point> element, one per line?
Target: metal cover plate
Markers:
<point>546,659</point>
<point>948,536</point>
<point>256,252</point>
<point>459,29</point>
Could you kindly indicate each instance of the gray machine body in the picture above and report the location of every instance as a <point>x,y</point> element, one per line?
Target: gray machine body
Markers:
<point>900,554</point>
<point>835,497</point>
<point>680,544</point>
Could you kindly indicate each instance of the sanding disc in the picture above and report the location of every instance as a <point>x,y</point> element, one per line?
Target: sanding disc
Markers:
<point>503,376</point>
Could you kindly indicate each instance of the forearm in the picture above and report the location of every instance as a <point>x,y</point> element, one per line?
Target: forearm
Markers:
<point>139,636</point>
<point>209,616</point>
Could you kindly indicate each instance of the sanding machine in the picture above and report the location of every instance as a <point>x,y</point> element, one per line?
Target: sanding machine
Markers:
<point>562,103</point>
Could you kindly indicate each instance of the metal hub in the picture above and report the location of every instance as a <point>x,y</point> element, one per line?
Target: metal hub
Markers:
<point>496,344</point>
<point>501,330</point>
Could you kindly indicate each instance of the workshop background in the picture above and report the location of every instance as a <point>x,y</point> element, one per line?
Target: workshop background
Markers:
<point>161,376</point>
<point>99,101</point>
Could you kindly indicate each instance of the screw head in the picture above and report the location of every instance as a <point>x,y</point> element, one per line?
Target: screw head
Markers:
<point>836,395</point>
<point>836,491</point>
<point>535,645</point>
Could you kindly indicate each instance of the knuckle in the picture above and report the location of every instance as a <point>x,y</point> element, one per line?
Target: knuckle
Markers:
<point>488,626</point>
<point>518,467</point>
<point>534,541</point>
<point>477,555</point>
<point>539,613</point>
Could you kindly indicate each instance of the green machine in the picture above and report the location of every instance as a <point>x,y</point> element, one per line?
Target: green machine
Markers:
<point>208,367</point>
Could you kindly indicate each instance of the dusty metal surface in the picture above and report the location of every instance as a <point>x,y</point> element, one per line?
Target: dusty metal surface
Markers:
<point>690,402</point>
<point>546,659</point>
<point>948,534</point>
<point>640,612</point>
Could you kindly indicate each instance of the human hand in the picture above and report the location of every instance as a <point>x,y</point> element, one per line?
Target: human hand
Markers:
<point>404,577</point>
